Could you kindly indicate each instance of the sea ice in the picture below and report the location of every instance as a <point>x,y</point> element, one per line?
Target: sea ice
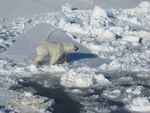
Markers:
<point>83,80</point>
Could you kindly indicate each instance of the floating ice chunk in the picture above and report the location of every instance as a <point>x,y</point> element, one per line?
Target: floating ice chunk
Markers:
<point>62,23</point>
<point>105,35</point>
<point>82,80</point>
<point>101,80</point>
<point>5,96</point>
<point>132,39</point>
<point>103,66</point>
<point>72,28</point>
<point>114,65</point>
<point>134,90</point>
<point>143,75</point>
<point>69,15</point>
<point>140,104</point>
<point>144,35</point>
<point>112,94</point>
<point>98,17</point>
<point>66,8</point>
<point>28,94</point>
<point>78,80</point>
<point>32,68</point>
<point>98,12</point>
<point>2,63</point>
<point>46,69</point>
<point>30,104</point>
<point>94,48</point>
<point>53,69</point>
<point>144,4</point>
<point>116,30</point>
<point>1,41</point>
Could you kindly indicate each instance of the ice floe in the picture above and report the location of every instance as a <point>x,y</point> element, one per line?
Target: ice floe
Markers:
<point>140,104</point>
<point>80,78</point>
<point>119,35</point>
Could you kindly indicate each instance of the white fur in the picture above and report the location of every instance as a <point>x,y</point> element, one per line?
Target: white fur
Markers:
<point>54,50</point>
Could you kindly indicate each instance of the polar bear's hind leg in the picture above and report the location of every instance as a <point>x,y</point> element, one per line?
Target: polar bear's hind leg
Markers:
<point>38,59</point>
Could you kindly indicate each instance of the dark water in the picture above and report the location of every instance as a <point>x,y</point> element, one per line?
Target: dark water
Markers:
<point>63,102</point>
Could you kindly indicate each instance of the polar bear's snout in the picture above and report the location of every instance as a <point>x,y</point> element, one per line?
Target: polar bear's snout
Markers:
<point>76,48</point>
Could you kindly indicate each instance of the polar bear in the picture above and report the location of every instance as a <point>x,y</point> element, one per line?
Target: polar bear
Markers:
<point>54,50</point>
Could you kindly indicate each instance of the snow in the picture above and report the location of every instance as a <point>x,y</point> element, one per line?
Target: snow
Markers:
<point>113,94</point>
<point>144,4</point>
<point>136,91</point>
<point>29,103</point>
<point>140,104</point>
<point>117,77</point>
<point>83,80</point>
<point>98,17</point>
<point>76,80</point>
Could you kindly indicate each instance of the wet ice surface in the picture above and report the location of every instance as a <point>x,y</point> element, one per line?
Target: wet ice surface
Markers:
<point>110,75</point>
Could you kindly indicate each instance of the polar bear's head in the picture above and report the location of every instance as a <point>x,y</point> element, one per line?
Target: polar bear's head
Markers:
<point>70,47</point>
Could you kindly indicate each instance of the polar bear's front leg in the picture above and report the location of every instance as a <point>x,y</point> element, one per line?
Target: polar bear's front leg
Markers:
<point>41,52</point>
<point>54,55</point>
<point>53,59</point>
